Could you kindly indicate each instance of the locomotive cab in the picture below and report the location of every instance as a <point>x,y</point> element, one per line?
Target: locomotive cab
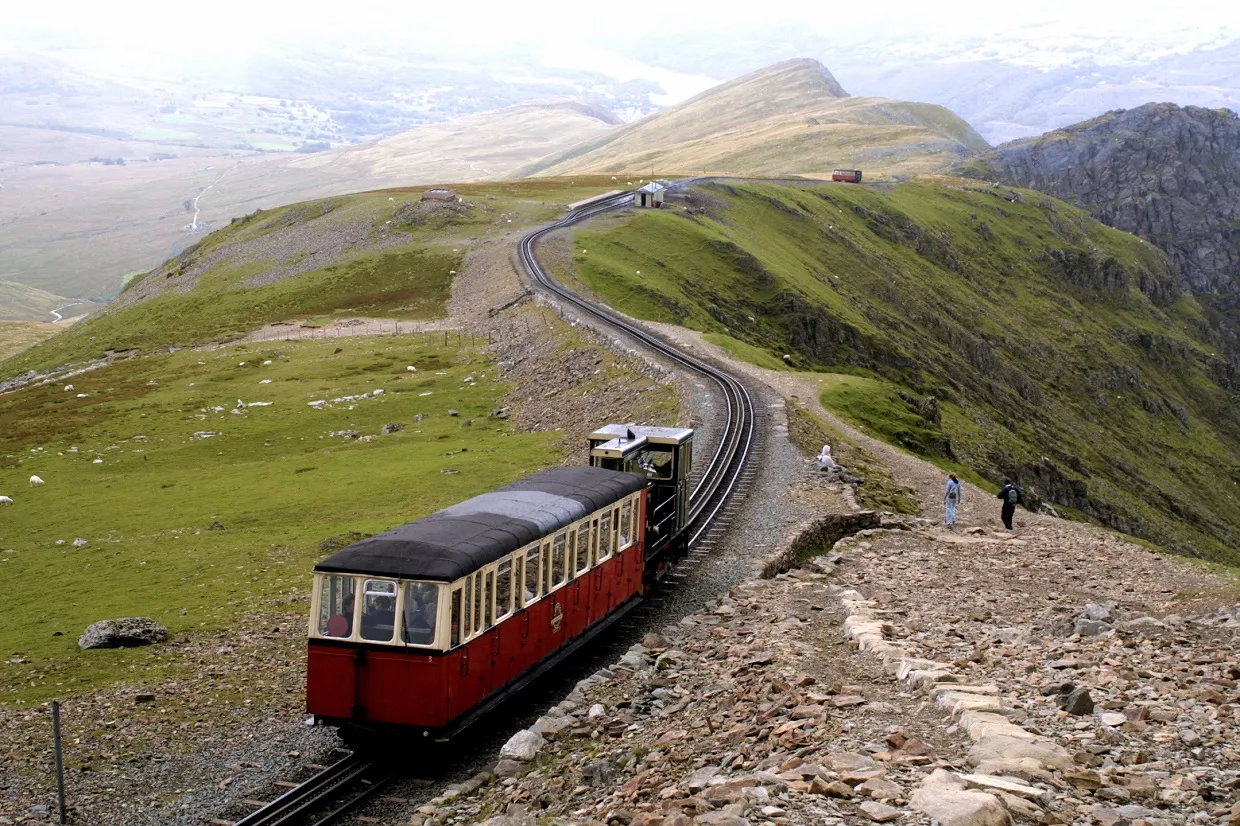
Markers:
<point>664,455</point>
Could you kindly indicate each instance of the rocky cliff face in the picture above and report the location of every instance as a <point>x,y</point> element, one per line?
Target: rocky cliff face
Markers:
<point>1165,172</point>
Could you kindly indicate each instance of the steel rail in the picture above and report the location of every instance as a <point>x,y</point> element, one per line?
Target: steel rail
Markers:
<point>719,479</point>
<point>297,803</point>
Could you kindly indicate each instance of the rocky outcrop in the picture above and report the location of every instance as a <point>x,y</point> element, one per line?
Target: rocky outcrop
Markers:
<point>931,696</point>
<point>126,632</point>
<point>1168,173</point>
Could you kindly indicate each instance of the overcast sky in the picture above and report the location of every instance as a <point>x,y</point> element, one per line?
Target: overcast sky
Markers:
<point>489,22</point>
<point>591,36</point>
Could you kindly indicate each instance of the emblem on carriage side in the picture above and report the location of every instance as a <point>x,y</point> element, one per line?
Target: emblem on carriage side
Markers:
<point>557,618</point>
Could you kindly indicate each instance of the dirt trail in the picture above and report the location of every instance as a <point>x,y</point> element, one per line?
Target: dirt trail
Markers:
<point>978,507</point>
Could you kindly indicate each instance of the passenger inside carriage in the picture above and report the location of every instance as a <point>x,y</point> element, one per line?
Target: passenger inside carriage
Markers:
<point>421,608</point>
<point>379,610</point>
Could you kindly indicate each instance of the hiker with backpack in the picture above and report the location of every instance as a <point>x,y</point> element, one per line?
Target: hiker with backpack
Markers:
<point>952,496</point>
<point>1011,497</point>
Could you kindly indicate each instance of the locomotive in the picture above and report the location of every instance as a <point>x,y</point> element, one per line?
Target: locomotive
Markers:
<point>428,626</point>
<point>851,176</point>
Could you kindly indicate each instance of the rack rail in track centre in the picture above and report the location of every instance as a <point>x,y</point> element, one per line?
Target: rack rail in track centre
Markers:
<point>300,802</point>
<point>729,461</point>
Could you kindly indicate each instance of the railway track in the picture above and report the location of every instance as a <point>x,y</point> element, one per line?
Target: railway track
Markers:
<point>731,467</point>
<point>323,798</point>
<point>713,501</point>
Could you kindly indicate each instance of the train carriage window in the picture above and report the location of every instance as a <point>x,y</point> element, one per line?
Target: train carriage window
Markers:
<point>378,610</point>
<point>625,528</point>
<point>657,463</point>
<point>467,613</point>
<point>581,552</point>
<point>480,603</point>
<point>419,613</point>
<point>596,550</point>
<point>503,589</point>
<point>458,617</point>
<point>336,608</point>
<point>605,535</point>
<point>532,579</point>
<point>488,599</point>
<point>559,562</point>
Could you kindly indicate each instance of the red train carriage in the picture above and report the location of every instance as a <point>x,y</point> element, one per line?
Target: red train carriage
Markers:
<point>431,624</point>
<point>852,176</point>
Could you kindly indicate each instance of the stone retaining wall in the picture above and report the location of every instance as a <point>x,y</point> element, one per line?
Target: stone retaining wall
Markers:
<point>822,532</point>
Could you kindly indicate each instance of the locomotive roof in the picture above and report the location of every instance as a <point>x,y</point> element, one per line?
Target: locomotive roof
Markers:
<point>454,542</point>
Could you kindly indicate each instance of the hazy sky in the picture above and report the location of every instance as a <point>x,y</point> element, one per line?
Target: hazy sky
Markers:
<point>228,24</point>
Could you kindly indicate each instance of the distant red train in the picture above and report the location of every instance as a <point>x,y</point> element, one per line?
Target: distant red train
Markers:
<point>852,176</point>
<point>430,625</point>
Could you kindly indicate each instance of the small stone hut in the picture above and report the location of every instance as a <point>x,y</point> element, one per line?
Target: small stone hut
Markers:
<point>650,195</point>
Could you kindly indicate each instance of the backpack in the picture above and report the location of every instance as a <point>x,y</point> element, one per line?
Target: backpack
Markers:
<point>953,492</point>
<point>1013,495</point>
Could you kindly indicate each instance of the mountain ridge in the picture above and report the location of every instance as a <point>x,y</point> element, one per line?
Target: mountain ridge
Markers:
<point>790,118</point>
<point>1168,173</point>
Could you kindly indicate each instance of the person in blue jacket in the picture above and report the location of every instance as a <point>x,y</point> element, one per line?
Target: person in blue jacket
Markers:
<point>952,496</point>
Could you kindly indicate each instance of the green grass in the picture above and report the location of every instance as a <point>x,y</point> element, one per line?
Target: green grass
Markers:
<point>16,336</point>
<point>274,477</point>
<point>994,330</point>
<point>879,491</point>
<point>879,409</point>
<point>746,352</point>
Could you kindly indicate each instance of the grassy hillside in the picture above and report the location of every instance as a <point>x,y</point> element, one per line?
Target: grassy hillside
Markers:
<point>375,254</point>
<point>788,119</point>
<point>995,328</point>
<point>19,302</point>
<point>16,336</point>
<point>148,451</point>
<point>178,455</point>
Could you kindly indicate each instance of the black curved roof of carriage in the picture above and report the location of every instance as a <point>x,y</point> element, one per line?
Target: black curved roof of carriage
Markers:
<point>454,542</point>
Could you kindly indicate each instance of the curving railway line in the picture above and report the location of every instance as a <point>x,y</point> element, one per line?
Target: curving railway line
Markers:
<point>341,787</point>
<point>727,466</point>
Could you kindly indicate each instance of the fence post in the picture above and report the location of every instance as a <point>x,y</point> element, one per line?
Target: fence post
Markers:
<point>60,763</point>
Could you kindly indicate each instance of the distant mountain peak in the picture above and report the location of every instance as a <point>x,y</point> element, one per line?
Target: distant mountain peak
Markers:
<point>808,77</point>
<point>810,68</point>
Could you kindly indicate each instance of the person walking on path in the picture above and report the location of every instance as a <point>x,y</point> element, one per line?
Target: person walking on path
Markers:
<point>952,496</point>
<point>1011,497</point>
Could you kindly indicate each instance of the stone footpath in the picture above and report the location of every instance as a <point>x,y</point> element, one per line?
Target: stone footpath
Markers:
<point>913,675</point>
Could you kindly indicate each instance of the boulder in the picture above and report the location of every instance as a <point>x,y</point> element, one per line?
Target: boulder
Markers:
<point>126,632</point>
<point>523,746</point>
<point>1090,628</point>
<point>1094,611</point>
<point>878,812</point>
<point>944,798</point>
<point>1001,748</point>
<point>1077,702</point>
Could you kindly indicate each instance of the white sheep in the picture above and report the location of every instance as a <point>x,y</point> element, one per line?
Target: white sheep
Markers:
<point>411,369</point>
<point>5,500</point>
<point>35,480</point>
<point>68,388</point>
